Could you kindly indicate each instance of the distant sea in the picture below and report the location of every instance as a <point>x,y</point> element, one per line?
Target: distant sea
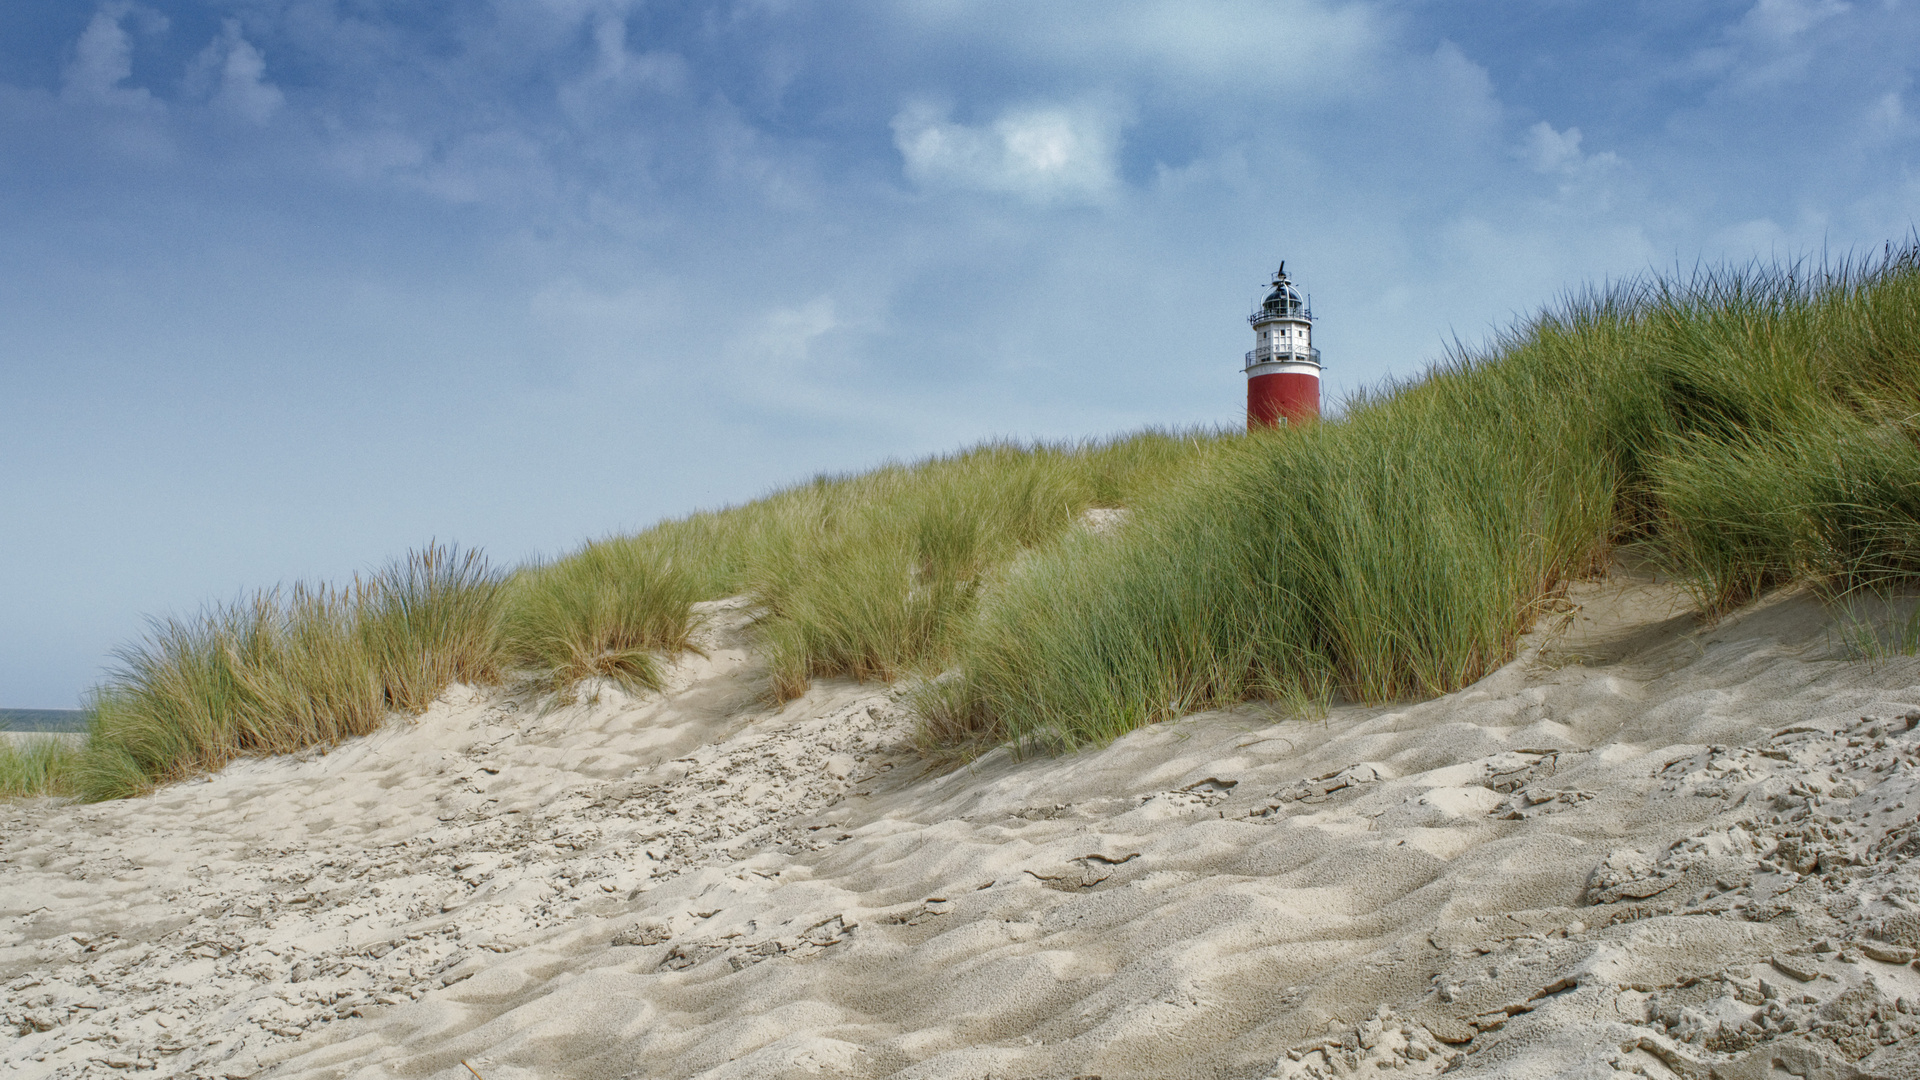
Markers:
<point>42,720</point>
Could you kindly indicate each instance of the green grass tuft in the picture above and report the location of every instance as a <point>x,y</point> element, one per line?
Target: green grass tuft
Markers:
<point>1878,640</point>
<point>874,576</point>
<point>39,765</point>
<point>1379,556</point>
<point>288,669</point>
<point>432,619</point>
<point>609,611</point>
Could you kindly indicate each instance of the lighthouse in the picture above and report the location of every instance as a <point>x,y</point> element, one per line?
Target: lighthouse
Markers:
<point>1283,370</point>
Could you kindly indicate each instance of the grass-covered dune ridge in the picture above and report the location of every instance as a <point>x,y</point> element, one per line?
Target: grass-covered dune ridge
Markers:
<point>291,668</point>
<point>1749,427</point>
<point>1746,427</point>
<point>867,575</point>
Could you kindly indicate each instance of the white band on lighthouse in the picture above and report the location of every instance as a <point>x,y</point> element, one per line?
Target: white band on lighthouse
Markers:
<point>1283,367</point>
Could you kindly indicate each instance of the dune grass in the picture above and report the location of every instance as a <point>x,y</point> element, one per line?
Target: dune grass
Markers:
<point>1380,557</point>
<point>1800,459</point>
<point>610,611</point>
<point>865,575</point>
<point>1878,628</point>
<point>38,765</point>
<point>873,576</point>
<point>292,668</point>
<point>1750,427</point>
<point>868,576</point>
<point>1754,427</point>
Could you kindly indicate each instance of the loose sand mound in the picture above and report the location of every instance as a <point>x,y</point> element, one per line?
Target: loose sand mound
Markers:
<point>1644,847</point>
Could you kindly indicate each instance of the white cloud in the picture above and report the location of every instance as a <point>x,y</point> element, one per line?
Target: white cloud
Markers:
<point>614,63</point>
<point>803,356</point>
<point>1461,92</point>
<point>1769,45</point>
<point>1759,235</point>
<point>1885,119</point>
<point>103,57</point>
<point>785,336</point>
<point>243,88</point>
<point>1779,22</point>
<point>1585,184</point>
<point>1310,47</point>
<point>1552,151</point>
<point>1042,154</point>
<point>618,72</point>
<point>365,156</point>
<point>1558,153</point>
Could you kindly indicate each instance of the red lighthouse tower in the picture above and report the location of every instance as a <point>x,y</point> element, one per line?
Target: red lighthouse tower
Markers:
<point>1283,370</point>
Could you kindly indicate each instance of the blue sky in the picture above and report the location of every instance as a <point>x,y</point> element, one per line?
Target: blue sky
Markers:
<point>289,286</point>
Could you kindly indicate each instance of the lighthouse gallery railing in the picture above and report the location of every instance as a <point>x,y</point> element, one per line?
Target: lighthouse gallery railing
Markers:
<point>1266,353</point>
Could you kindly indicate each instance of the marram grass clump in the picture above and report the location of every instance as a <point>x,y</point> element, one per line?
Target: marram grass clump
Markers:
<point>610,611</point>
<point>292,668</point>
<point>1381,556</point>
<point>38,765</point>
<point>874,576</point>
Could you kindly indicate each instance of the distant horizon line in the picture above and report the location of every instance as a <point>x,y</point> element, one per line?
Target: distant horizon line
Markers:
<point>43,719</point>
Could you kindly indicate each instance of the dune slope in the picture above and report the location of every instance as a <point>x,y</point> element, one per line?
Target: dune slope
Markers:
<point>1647,845</point>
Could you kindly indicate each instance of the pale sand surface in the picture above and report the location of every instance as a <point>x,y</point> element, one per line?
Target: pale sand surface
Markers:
<point>1647,847</point>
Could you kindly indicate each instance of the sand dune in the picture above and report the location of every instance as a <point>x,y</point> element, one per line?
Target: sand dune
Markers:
<point>1646,846</point>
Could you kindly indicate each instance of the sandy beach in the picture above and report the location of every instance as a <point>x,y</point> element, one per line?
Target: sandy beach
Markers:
<point>1648,845</point>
